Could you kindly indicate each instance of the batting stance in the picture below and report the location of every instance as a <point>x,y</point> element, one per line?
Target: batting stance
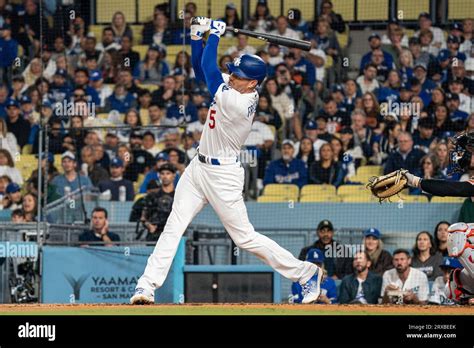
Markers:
<point>216,176</point>
<point>460,285</point>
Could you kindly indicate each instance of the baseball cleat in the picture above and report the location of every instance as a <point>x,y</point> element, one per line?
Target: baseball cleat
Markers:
<point>312,288</point>
<point>141,297</point>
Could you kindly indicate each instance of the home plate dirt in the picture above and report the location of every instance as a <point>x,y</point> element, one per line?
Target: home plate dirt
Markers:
<point>230,309</point>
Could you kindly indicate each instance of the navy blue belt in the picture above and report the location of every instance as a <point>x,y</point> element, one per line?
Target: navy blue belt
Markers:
<point>210,160</point>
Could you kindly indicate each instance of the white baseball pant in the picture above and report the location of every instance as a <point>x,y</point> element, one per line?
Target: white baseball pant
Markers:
<point>221,186</point>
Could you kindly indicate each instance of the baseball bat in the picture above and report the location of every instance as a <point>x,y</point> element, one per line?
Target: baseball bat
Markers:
<point>275,39</point>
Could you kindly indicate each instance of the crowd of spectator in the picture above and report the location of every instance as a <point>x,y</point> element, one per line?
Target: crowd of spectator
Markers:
<point>314,124</point>
<point>369,274</point>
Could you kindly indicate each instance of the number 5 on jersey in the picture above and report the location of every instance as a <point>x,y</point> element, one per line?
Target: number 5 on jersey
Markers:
<point>212,122</point>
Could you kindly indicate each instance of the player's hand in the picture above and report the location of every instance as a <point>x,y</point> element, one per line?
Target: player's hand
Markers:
<point>199,26</point>
<point>412,180</point>
<point>217,27</point>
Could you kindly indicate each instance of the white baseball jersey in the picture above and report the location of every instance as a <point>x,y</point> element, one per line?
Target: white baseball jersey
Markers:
<point>417,282</point>
<point>229,121</point>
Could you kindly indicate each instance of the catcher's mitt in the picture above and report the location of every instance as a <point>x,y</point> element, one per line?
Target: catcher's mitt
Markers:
<point>385,186</point>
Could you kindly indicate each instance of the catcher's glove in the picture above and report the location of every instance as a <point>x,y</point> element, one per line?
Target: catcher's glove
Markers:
<point>385,186</point>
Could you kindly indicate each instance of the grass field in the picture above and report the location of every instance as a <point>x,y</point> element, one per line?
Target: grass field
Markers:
<point>230,309</point>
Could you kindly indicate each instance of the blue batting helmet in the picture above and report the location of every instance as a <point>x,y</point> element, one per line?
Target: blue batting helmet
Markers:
<point>249,66</point>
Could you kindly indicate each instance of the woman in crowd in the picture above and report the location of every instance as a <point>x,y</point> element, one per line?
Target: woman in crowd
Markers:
<point>442,155</point>
<point>405,61</point>
<point>470,123</point>
<point>380,258</point>
<point>334,19</point>
<point>425,256</point>
<point>133,120</point>
<point>429,170</point>
<point>157,31</point>
<point>120,27</point>
<point>306,151</point>
<point>7,167</point>
<point>326,170</point>
<point>261,21</point>
<point>346,160</point>
<point>443,124</point>
<point>30,204</point>
<point>437,98</point>
<point>386,143</point>
<point>266,113</point>
<point>183,64</point>
<point>153,68</point>
<point>441,237</point>
<point>371,107</point>
<point>8,139</point>
<point>393,80</point>
<point>231,19</point>
<point>32,72</point>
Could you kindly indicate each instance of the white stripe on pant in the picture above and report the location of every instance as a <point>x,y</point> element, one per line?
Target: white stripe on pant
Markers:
<point>221,186</point>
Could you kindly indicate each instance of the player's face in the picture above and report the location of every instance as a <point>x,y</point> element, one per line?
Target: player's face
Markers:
<point>241,85</point>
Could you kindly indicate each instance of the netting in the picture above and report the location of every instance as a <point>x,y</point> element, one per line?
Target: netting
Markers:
<point>105,93</point>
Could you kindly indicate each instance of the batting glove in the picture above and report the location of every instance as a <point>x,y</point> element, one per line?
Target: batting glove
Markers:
<point>412,180</point>
<point>199,26</point>
<point>218,28</point>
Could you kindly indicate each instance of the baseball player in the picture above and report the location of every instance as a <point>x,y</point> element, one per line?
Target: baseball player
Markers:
<point>216,176</point>
<point>460,286</point>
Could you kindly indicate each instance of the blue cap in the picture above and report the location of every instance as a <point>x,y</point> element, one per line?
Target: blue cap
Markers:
<point>451,262</point>
<point>178,71</point>
<point>443,55</point>
<point>46,104</point>
<point>50,157</point>
<point>61,72</point>
<point>424,15</point>
<point>405,86</point>
<point>159,48</point>
<point>337,88</point>
<point>203,105</point>
<point>95,75</point>
<point>248,66</point>
<point>372,232</point>
<point>315,256</point>
<point>452,38</point>
<point>116,162</point>
<point>25,99</point>
<point>12,102</point>
<point>162,156</point>
<point>374,35</point>
<point>311,125</point>
<point>457,26</point>
<point>13,187</point>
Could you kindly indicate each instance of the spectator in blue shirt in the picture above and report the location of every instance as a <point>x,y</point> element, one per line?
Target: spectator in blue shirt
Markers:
<point>153,174</point>
<point>154,67</point>
<point>81,80</point>
<point>70,178</point>
<point>405,156</point>
<point>424,136</point>
<point>304,66</point>
<point>8,51</point>
<point>453,102</point>
<point>60,89</point>
<point>287,170</point>
<point>375,43</point>
<point>328,285</point>
<point>180,36</point>
<point>121,100</point>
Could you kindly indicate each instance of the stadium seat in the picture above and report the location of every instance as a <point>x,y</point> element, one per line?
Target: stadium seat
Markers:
<point>320,199</point>
<point>272,199</point>
<point>352,190</point>
<point>26,165</point>
<point>97,31</point>
<point>448,199</point>
<point>306,7</point>
<point>372,10</point>
<point>138,196</point>
<point>460,9</point>
<point>409,9</point>
<point>27,149</point>
<point>345,8</point>
<point>105,9</point>
<point>151,88</point>
<point>358,199</point>
<point>412,199</point>
<point>137,33</point>
<point>318,190</point>
<point>286,190</point>
<point>218,8</point>
<point>141,49</point>
<point>370,170</point>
